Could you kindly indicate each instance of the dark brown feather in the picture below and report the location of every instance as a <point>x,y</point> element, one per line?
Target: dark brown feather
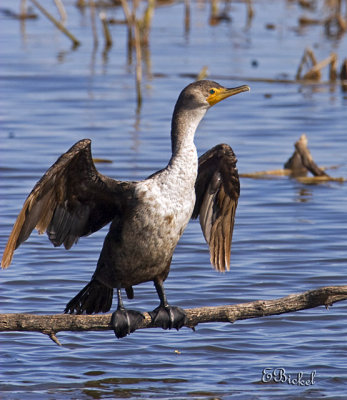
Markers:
<point>71,200</point>
<point>217,191</point>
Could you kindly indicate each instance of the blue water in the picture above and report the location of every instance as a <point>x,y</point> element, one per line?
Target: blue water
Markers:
<point>288,237</point>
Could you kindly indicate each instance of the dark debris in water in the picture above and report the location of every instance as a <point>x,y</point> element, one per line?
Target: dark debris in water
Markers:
<point>208,395</point>
<point>94,373</point>
<point>132,381</point>
<point>29,14</point>
<point>121,387</point>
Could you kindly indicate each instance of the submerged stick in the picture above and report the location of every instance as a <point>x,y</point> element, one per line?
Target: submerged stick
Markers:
<point>250,12</point>
<point>138,53</point>
<point>51,324</point>
<point>107,33</point>
<point>93,21</point>
<point>187,17</point>
<point>58,24</point>
<point>133,25</point>
<point>146,21</point>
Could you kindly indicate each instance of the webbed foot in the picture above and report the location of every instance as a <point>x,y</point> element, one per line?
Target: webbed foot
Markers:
<point>125,321</point>
<point>168,317</point>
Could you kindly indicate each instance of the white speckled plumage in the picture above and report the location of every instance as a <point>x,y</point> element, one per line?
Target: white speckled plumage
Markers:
<point>164,205</point>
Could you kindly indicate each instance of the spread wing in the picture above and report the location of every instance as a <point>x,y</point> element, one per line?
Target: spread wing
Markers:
<point>217,190</point>
<point>71,200</point>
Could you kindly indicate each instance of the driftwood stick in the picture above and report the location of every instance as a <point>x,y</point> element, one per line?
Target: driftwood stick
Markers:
<point>268,174</point>
<point>276,173</point>
<point>51,324</point>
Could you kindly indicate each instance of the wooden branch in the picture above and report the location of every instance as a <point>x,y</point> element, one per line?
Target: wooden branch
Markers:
<point>276,173</point>
<point>271,173</point>
<point>51,324</point>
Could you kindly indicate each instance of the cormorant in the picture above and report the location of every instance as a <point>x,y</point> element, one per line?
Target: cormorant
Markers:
<point>147,217</point>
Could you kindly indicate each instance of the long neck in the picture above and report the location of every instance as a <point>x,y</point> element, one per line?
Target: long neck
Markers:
<point>183,127</point>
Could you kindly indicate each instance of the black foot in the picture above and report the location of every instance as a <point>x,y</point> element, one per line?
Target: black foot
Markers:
<point>168,317</point>
<point>125,322</point>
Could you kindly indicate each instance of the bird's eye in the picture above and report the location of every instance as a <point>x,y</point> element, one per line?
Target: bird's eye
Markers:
<point>212,91</point>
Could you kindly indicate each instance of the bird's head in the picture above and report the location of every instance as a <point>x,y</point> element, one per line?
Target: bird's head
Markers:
<point>206,94</point>
<point>191,106</point>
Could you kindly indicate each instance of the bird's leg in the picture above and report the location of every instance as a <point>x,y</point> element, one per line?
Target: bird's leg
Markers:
<point>167,316</point>
<point>125,321</point>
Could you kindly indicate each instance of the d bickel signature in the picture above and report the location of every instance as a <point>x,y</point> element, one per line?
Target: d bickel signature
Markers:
<point>280,375</point>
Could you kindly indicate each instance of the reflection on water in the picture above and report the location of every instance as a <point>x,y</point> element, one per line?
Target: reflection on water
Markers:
<point>304,195</point>
<point>289,237</point>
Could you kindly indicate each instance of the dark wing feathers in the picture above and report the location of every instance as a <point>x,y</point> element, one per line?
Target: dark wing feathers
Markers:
<point>71,200</point>
<point>217,191</point>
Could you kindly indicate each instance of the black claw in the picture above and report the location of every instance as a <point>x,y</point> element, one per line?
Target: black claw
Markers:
<point>169,317</point>
<point>125,322</point>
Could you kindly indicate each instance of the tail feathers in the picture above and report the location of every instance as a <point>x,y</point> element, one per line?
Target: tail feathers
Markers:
<point>93,298</point>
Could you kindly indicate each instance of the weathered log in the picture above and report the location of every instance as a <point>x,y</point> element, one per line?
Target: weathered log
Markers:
<point>306,158</point>
<point>314,73</point>
<point>51,324</point>
<point>301,161</point>
<point>297,166</point>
